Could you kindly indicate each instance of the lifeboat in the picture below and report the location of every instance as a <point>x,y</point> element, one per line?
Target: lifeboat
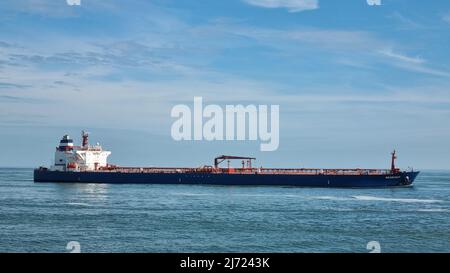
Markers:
<point>71,166</point>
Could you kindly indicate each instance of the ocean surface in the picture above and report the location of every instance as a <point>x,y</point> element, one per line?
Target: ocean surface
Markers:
<point>180,218</point>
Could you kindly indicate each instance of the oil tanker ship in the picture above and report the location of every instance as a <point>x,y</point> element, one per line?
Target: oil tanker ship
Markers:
<point>88,164</point>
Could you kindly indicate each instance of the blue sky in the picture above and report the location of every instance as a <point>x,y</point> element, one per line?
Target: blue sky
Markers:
<point>353,81</point>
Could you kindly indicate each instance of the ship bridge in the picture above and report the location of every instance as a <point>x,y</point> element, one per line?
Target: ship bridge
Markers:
<point>79,158</point>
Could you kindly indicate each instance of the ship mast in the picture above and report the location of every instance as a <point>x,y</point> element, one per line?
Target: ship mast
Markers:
<point>85,137</point>
<point>394,157</point>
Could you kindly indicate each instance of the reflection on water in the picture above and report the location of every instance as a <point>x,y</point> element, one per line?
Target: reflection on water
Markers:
<point>92,191</point>
<point>97,191</point>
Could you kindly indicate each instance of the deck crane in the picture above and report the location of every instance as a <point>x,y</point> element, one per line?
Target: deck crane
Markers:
<point>222,158</point>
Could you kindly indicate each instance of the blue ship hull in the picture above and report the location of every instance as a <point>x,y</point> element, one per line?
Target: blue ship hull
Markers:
<point>320,180</point>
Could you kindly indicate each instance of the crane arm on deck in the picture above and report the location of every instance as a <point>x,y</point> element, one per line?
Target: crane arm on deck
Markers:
<point>221,158</point>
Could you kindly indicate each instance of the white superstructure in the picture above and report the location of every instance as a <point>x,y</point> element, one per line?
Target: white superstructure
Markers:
<point>79,158</point>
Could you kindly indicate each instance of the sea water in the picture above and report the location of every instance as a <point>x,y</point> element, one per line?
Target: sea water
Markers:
<point>52,217</point>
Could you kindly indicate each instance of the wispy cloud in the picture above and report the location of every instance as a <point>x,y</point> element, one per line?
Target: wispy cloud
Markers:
<point>290,40</point>
<point>424,70</point>
<point>5,44</point>
<point>12,85</point>
<point>290,5</point>
<point>335,39</point>
<point>17,99</point>
<point>446,18</point>
<point>343,44</point>
<point>39,7</point>
<point>415,64</point>
<point>401,57</point>
<point>405,22</point>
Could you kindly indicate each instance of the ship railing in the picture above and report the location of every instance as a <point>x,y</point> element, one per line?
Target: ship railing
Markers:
<point>262,171</point>
<point>307,171</point>
<point>148,170</point>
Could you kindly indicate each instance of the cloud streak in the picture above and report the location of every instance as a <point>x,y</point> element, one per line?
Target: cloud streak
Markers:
<point>415,64</point>
<point>290,5</point>
<point>12,85</point>
<point>401,57</point>
<point>446,18</point>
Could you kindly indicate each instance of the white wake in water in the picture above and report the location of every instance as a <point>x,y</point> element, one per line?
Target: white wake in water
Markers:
<point>405,200</point>
<point>375,198</point>
<point>433,210</point>
<point>79,204</point>
<point>333,198</point>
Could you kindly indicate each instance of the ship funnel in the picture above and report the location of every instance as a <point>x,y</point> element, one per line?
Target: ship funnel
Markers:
<point>66,143</point>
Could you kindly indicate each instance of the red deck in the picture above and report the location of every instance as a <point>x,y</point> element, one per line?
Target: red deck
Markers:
<point>262,171</point>
<point>248,169</point>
